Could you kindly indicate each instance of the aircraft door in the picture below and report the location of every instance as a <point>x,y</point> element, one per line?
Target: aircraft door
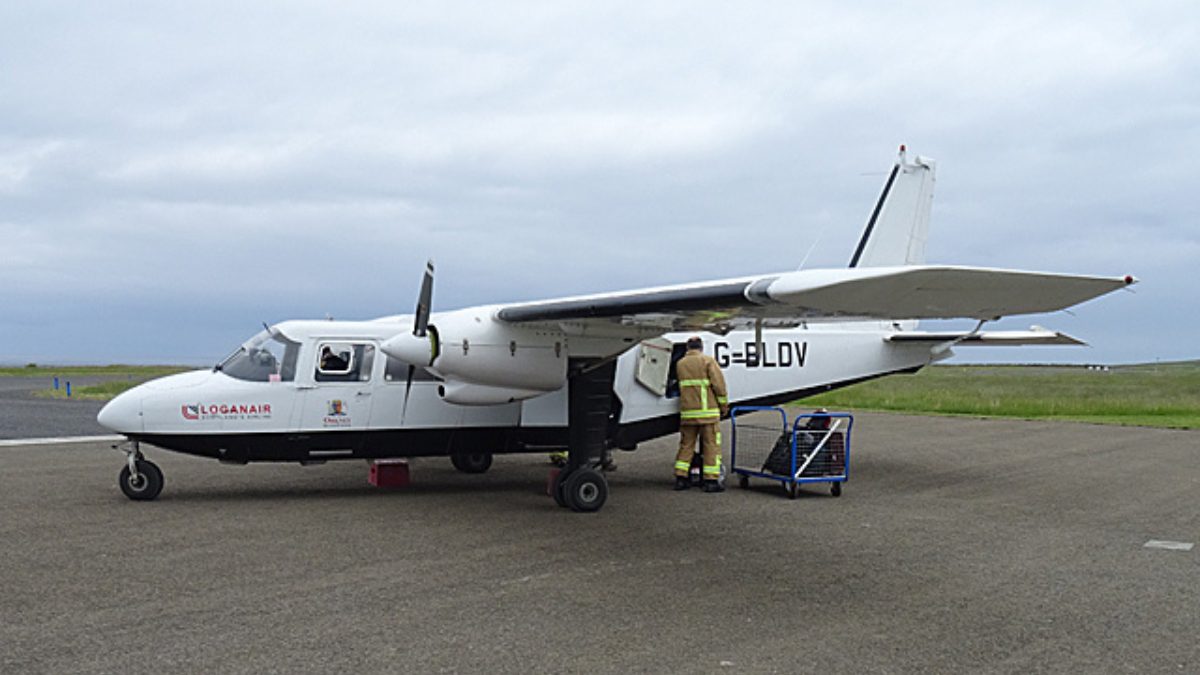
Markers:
<point>341,394</point>
<point>655,368</point>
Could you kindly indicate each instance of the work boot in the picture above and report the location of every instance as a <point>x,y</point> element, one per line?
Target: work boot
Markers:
<point>713,486</point>
<point>682,483</point>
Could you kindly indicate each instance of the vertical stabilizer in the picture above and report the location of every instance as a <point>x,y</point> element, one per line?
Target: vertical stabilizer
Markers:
<point>899,224</point>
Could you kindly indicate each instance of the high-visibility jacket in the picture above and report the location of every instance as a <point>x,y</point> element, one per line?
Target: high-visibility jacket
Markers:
<point>702,395</point>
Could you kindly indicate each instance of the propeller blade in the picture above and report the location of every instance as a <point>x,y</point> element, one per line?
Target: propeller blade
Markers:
<point>424,302</point>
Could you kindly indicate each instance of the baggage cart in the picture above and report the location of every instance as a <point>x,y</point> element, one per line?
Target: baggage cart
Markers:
<point>811,448</point>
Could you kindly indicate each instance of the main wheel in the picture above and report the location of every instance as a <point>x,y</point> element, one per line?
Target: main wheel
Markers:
<point>559,489</point>
<point>585,490</point>
<point>145,485</point>
<point>472,462</point>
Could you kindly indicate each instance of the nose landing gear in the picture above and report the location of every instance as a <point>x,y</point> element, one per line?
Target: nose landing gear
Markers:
<point>140,479</point>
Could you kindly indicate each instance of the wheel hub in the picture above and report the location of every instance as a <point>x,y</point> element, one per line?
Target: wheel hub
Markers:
<point>588,492</point>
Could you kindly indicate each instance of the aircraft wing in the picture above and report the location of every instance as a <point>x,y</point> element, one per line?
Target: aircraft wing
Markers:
<point>1034,336</point>
<point>886,293</point>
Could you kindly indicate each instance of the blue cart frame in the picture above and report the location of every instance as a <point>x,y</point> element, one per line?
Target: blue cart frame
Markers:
<point>799,462</point>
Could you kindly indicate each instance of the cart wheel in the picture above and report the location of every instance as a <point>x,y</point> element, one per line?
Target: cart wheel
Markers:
<point>793,489</point>
<point>836,490</point>
<point>743,481</point>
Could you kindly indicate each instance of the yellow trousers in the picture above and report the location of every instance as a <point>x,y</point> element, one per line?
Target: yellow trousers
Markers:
<point>710,448</point>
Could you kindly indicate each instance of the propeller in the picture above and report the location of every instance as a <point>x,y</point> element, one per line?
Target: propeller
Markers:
<point>421,329</point>
<point>424,302</point>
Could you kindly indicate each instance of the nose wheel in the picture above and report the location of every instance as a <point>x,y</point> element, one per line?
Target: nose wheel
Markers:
<point>140,479</point>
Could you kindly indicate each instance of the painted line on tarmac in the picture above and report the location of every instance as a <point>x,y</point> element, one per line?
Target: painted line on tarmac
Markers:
<point>1169,545</point>
<point>18,442</point>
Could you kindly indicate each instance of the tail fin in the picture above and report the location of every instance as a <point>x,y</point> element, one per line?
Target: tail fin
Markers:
<point>899,225</point>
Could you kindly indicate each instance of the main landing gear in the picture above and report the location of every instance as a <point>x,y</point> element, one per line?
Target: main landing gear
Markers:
<point>584,490</point>
<point>580,486</point>
<point>140,479</point>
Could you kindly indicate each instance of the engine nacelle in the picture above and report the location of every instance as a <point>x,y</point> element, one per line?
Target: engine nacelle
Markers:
<point>465,393</point>
<point>472,348</point>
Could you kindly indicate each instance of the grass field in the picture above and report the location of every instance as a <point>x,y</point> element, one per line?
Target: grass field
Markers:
<point>1158,395</point>
<point>117,379</point>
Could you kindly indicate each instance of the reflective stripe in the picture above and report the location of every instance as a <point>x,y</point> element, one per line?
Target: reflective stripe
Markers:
<point>718,445</point>
<point>704,411</point>
<point>682,466</point>
<point>714,468</point>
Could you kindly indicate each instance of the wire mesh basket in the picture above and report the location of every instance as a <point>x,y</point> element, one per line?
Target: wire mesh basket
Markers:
<point>810,448</point>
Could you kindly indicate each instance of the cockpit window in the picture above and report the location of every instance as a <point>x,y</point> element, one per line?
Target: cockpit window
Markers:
<point>266,357</point>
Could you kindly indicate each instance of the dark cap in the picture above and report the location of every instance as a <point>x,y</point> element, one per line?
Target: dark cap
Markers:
<point>695,342</point>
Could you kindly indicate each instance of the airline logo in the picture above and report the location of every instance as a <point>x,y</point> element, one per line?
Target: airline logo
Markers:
<point>225,411</point>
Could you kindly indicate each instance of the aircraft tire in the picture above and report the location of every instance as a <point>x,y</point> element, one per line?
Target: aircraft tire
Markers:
<point>560,489</point>
<point>586,490</point>
<point>472,462</point>
<point>147,486</point>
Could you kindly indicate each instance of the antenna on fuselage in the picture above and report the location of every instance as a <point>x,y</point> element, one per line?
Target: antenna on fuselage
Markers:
<point>812,248</point>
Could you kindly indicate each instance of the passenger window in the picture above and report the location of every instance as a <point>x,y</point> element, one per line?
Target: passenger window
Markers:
<point>344,362</point>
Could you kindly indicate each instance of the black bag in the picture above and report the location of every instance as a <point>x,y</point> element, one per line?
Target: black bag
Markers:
<point>779,462</point>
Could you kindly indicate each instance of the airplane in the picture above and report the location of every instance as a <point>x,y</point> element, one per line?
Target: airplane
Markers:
<point>584,374</point>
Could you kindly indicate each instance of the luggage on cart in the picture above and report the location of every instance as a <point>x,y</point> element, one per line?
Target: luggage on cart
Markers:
<point>780,460</point>
<point>812,447</point>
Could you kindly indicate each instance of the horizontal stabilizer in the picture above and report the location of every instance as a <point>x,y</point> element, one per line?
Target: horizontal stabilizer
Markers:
<point>998,338</point>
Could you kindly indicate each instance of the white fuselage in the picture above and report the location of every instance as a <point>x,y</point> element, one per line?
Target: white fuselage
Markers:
<point>383,411</point>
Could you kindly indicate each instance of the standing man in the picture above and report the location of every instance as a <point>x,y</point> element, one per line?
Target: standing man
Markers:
<point>703,401</point>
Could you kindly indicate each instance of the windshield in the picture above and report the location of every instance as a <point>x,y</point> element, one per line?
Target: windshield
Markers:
<point>266,357</point>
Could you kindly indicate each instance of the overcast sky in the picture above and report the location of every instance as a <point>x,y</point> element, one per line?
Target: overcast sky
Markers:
<point>173,176</point>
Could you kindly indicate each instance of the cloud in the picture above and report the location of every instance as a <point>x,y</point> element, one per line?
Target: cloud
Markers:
<point>204,166</point>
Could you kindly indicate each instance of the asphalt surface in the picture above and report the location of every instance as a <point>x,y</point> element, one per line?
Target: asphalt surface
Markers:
<point>24,416</point>
<point>958,546</point>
